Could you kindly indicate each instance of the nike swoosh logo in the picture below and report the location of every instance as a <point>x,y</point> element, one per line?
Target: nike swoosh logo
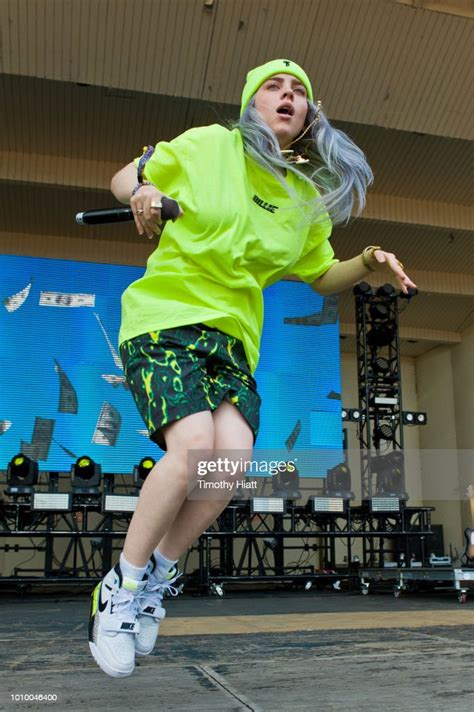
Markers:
<point>102,605</point>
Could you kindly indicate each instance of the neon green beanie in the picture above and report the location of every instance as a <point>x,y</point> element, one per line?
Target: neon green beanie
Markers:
<point>257,76</point>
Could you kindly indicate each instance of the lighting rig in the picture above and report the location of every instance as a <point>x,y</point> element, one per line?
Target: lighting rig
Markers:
<point>380,397</point>
<point>22,475</point>
<point>81,505</point>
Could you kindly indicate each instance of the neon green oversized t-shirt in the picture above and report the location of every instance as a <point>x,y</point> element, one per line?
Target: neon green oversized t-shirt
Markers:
<point>240,233</point>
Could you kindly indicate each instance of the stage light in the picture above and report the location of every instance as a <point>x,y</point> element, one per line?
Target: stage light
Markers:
<point>328,504</point>
<point>390,481</point>
<point>22,474</point>
<point>351,414</point>
<point>379,311</point>
<point>86,475</point>
<point>389,469</point>
<point>384,400</point>
<point>384,431</point>
<point>286,482</point>
<point>384,504</point>
<point>142,470</point>
<point>363,289</point>
<point>412,291</point>
<point>338,479</point>
<point>119,503</point>
<point>381,366</point>
<point>381,334</point>
<point>410,417</point>
<point>263,505</point>
<point>51,501</point>
<point>386,290</point>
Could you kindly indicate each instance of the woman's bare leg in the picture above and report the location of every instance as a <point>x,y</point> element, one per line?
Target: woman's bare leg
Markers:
<point>232,432</point>
<point>167,485</point>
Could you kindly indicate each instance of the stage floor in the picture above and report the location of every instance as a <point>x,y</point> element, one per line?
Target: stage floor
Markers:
<point>267,652</point>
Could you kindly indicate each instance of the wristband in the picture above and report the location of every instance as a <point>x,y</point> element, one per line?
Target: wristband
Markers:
<point>140,185</point>
<point>369,251</point>
<point>148,152</point>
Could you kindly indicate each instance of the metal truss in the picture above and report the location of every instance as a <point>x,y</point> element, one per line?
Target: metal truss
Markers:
<point>379,381</point>
<point>266,542</point>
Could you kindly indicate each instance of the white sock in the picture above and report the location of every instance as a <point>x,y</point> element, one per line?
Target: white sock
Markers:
<point>163,565</point>
<point>130,571</point>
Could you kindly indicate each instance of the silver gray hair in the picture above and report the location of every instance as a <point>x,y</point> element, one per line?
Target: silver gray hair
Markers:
<point>337,168</point>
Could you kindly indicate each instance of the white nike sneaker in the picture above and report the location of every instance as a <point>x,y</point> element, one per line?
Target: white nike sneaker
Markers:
<point>113,622</point>
<point>150,607</point>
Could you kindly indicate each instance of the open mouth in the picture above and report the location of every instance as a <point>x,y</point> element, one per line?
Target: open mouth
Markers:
<point>285,110</point>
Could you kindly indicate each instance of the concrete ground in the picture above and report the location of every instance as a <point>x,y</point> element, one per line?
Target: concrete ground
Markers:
<point>267,652</point>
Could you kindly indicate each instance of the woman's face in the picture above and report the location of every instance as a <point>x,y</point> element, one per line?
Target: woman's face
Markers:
<point>282,102</point>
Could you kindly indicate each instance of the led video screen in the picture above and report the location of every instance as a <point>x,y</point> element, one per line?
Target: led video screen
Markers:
<point>62,389</point>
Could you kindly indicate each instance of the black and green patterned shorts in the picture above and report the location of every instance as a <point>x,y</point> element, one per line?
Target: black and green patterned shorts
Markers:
<point>176,372</point>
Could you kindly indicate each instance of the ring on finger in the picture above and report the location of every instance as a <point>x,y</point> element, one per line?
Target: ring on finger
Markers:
<point>140,211</point>
<point>400,264</point>
<point>155,204</point>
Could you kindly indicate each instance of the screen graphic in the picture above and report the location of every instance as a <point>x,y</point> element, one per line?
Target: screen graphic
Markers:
<point>62,389</point>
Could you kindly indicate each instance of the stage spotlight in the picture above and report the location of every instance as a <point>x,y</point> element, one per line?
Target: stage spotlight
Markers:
<point>327,504</point>
<point>390,474</point>
<point>390,481</point>
<point>384,431</point>
<point>286,482</point>
<point>338,479</point>
<point>411,418</point>
<point>264,505</point>
<point>379,311</point>
<point>86,475</point>
<point>381,366</point>
<point>363,288</point>
<point>51,501</point>
<point>412,291</point>
<point>384,504</point>
<point>386,290</point>
<point>381,334</point>
<point>119,503</point>
<point>353,414</point>
<point>22,474</point>
<point>142,470</point>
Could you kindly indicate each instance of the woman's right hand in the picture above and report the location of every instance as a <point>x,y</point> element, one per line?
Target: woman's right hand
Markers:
<point>148,217</point>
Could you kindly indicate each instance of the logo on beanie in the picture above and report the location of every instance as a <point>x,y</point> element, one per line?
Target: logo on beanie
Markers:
<point>286,62</point>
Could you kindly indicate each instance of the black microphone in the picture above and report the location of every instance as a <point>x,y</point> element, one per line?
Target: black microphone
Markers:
<point>169,211</point>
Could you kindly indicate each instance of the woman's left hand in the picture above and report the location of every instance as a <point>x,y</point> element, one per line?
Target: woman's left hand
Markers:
<point>388,262</point>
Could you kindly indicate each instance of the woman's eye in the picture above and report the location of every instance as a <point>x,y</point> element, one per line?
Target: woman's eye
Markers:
<point>301,91</point>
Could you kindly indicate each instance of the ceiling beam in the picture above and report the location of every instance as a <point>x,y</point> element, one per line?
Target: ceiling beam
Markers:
<point>461,8</point>
<point>74,172</point>
<point>392,208</point>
